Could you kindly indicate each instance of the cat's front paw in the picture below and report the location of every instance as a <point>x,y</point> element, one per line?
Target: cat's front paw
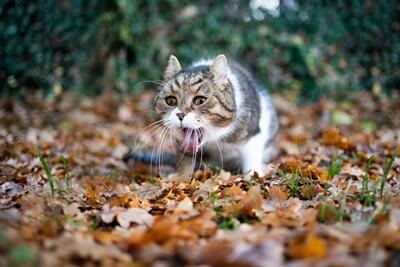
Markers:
<point>252,172</point>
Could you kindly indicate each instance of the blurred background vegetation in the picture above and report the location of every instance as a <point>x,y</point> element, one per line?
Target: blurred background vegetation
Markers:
<point>311,47</point>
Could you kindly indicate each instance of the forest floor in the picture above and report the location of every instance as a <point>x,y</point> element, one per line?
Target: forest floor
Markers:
<point>331,197</point>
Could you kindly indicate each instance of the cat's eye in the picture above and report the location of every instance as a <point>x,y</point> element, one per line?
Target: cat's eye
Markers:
<point>171,100</point>
<point>199,100</point>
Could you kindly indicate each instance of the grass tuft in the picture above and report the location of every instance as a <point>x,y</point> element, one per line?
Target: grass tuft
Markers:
<point>67,177</point>
<point>50,179</point>
<point>386,171</point>
<point>334,168</point>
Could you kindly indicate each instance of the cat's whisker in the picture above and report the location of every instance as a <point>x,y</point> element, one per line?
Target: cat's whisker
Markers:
<point>158,82</point>
<point>139,147</point>
<point>197,131</point>
<point>161,152</point>
<point>173,133</point>
<point>201,156</point>
<point>155,125</point>
<point>220,154</point>
<point>152,152</point>
<point>158,148</point>
<point>194,159</point>
<point>194,152</point>
<point>183,153</point>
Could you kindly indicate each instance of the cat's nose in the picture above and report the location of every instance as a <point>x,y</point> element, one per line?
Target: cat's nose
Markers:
<point>180,116</point>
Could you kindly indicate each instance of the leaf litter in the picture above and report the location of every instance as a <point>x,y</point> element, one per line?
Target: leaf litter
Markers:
<point>331,197</point>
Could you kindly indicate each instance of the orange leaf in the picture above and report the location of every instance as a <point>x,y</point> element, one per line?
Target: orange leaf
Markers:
<point>276,193</point>
<point>105,237</point>
<point>308,246</point>
<point>202,225</point>
<point>332,137</point>
<point>290,165</point>
<point>91,194</point>
<point>253,200</point>
<point>234,190</point>
<point>316,173</point>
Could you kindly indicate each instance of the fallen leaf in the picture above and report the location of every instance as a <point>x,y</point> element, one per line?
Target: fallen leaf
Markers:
<point>134,215</point>
<point>277,194</point>
<point>268,253</point>
<point>332,137</point>
<point>126,216</point>
<point>314,172</point>
<point>251,202</point>
<point>290,165</point>
<point>10,189</point>
<point>353,171</point>
<point>307,246</point>
<point>106,238</point>
<point>232,191</point>
<point>185,205</point>
<point>84,247</point>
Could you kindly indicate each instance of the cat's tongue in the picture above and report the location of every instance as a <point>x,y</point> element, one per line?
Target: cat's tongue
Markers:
<point>190,140</point>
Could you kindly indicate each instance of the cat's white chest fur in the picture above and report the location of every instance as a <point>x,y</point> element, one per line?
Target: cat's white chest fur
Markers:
<point>252,156</point>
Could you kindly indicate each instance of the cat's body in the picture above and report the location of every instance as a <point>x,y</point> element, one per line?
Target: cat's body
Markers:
<point>216,111</point>
<point>247,142</point>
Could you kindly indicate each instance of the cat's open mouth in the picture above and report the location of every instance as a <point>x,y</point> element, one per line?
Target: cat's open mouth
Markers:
<point>192,139</point>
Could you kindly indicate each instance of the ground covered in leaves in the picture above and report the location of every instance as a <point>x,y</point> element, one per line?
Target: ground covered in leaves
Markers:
<point>330,198</point>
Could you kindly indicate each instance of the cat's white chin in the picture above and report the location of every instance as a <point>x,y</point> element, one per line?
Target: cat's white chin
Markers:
<point>213,134</point>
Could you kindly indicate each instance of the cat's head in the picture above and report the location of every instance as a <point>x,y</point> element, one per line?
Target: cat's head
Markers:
<point>197,104</point>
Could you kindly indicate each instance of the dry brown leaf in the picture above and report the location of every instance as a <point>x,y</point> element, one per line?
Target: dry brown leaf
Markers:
<point>128,201</point>
<point>84,247</point>
<point>149,191</point>
<point>126,216</point>
<point>106,238</point>
<point>203,224</point>
<point>332,137</point>
<point>277,194</point>
<point>353,171</point>
<point>232,191</point>
<point>251,202</point>
<point>290,165</point>
<point>167,229</point>
<point>216,253</point>
<point>134,215</point>
<point>314,172</point>
<point>307,246</point>
<point>183,206</point>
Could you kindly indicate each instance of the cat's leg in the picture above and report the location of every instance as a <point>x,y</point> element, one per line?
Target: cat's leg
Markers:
<point>269,153</point>
<point>252,153</point>
<point>186,167</point>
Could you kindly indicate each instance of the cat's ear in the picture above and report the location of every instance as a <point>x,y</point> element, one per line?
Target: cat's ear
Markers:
<point>173,67</point>
<point>220,69</point>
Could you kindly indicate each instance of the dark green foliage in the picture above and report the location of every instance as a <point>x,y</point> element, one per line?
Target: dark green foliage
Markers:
<point>45,42</point>
<point>313,47</point>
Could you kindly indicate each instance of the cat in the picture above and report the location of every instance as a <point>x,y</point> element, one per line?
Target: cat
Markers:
<point>217,112</point>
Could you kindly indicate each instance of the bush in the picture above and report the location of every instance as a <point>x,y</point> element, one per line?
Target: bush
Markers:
<point>310,47</point>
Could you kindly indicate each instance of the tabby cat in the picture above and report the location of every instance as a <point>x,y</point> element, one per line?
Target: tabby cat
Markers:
<point>217,112</point>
